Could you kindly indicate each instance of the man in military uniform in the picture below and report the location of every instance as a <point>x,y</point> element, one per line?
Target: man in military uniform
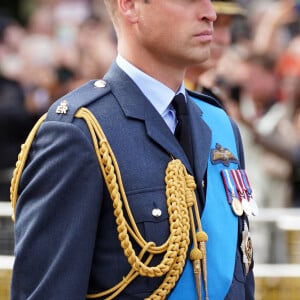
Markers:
<point>118,189</point>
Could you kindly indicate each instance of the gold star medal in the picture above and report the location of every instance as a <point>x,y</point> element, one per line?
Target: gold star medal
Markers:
<point>246,247</point>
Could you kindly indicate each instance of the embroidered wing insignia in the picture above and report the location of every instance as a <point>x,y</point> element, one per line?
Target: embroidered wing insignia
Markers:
<point>222,155</point>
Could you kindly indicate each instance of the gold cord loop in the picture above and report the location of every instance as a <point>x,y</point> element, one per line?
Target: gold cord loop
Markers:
<point>182,209</point>
<point>22,158</point>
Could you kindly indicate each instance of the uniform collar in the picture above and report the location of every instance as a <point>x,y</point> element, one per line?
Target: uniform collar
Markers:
<point>156,92</point>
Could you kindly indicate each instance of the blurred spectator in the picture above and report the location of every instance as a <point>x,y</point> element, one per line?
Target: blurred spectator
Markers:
<point>63,44</point>
<point>38,75</point>
<point>96,53</point>
<point>15,121</point>
<point>244,78</point>
<point>253,93</point>
<point>283,137</point>
<point>226,12</point>
<point>274,24</point>
<point>260,107</point>
<point>11,35</point>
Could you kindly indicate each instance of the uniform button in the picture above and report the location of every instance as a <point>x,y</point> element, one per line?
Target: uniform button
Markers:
<point>156,212</point>
<point>203,183</point>
<point>100,83</point>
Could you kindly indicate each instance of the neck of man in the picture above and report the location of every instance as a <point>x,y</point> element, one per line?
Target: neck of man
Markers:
<point>161,69</point>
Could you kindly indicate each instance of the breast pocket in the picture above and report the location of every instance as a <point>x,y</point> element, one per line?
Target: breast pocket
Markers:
<point>150,213</point>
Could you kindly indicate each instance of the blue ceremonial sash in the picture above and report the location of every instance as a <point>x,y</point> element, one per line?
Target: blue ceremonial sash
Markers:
<point>217,219</point>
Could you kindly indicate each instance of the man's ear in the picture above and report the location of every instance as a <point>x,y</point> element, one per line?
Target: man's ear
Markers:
<point>128,9</point>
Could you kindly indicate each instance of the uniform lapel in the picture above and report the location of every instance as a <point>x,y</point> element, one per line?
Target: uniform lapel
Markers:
<point>136,106</point>
<point>201,139</point>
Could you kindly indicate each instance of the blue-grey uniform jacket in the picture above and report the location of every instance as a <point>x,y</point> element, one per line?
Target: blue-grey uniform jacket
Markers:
<point>65,230</point>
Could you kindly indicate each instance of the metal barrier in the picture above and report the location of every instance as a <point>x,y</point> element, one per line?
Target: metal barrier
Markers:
<point>6,249</point>
<point>276,236</point>
<point>291,226</point>
<point>6,229</point>
<point>6,264</point>
<point>277,282</point>
<point>5,209</point>
<point>273,281</point>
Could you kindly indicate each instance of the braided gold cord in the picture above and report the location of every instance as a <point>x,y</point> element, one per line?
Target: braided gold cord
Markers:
<point>22,158</point>
<point>175,188</point>
<point>109,166</point>
<point>182,207</point>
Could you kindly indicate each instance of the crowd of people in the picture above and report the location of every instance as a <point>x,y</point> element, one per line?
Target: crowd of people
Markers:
<point>257,78</point>
<point>269,75</point>
<point>61,45</point>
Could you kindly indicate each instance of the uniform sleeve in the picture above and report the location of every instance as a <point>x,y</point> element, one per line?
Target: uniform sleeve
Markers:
<point>57,216</point>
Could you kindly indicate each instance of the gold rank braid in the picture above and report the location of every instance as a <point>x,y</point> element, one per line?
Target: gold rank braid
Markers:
<point>181,199</point>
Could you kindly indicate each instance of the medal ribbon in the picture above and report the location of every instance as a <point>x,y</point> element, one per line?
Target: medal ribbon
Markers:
<point>253,205</point>
<point>241,181</point>
<point>231,191</point>
<point>247,184</point>
<point>240,190</point>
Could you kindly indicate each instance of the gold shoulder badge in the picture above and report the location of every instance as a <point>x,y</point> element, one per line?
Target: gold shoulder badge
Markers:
<point>62,108</point>
<point>222,155</point>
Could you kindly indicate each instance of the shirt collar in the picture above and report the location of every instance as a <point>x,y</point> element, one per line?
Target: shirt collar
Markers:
<point>156,92</point>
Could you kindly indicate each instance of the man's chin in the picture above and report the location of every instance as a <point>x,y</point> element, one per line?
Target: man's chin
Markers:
<point>208,64</point>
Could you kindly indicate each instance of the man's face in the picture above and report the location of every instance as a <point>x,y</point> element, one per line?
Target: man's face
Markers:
<point>177,32</point>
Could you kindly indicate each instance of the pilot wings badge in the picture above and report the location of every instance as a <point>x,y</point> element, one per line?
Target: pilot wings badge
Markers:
<point>222,155</point>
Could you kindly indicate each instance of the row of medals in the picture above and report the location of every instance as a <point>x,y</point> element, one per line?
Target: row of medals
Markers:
<point>244,202</point>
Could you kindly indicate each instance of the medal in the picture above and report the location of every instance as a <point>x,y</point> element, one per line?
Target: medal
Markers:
<point>254,207</point>
<point>231,193</point>
<point>246,206</point>
<point>246,247</point>
<point>237,206</point>
<point>252,202</point>
<point>241,191</point>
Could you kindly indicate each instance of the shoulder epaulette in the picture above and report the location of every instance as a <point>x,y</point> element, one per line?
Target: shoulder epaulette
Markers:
<point>65,107</point>
<point>206,98</point>
<point>63,110</point>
